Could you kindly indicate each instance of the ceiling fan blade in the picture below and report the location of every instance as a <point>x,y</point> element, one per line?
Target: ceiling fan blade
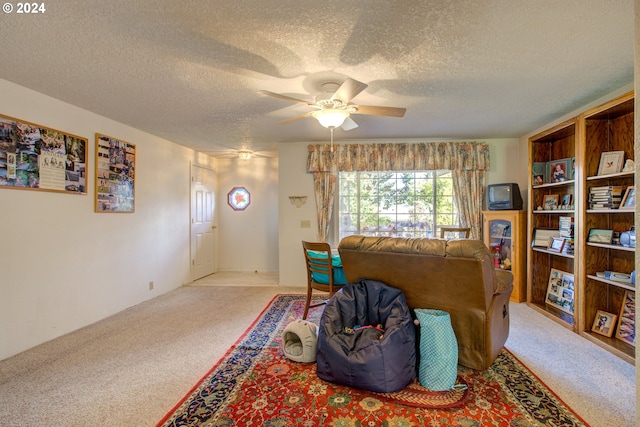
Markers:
<point>283,97</point>
<point>293,119</point>
<point>349,89</point>
<point>349,124</point>
<point>380,111</point>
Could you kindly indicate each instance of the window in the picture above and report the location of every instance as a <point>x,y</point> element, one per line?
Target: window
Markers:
<point>402,204</point>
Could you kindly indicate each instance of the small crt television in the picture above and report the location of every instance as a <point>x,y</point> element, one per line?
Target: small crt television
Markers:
<point>504,197</point>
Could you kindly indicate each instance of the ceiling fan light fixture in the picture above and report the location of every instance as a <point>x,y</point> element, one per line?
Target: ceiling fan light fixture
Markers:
<point>244,154</point>
<point>330,117</point>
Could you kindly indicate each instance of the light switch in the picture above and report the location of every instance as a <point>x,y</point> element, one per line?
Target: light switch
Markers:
<point>305,223</point>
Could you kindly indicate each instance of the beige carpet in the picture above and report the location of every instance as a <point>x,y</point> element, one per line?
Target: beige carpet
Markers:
<point>132,368</point>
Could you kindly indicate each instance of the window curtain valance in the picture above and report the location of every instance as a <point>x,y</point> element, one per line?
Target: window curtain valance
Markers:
<point>399,157</point>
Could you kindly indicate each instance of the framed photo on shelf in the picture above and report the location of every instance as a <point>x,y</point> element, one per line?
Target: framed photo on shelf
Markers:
<point>610,162</point>
<point>627,323</point>
<point>566,199</point>
<point>598,235</point>
<point>556,244</point>
<point>542,236</point>
<point>550,201</point>
<point>604,323</point>
<point>560,291</point>
<point>539,172</point>
<point>629,198</point>
<point>559,170</point>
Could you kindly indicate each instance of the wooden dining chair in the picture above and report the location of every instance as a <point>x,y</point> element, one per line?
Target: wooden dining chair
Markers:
<point>320,269</point>
<point>455,232</point>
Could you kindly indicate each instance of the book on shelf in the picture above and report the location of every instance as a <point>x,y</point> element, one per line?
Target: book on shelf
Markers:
<point>593,198</point>
<point>607,189</point>
<point>604,205</point>
<point>605,197</point>
<point>566,226</point>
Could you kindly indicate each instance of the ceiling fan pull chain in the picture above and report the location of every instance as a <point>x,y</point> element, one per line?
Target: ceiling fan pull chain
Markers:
<point>331,129</point>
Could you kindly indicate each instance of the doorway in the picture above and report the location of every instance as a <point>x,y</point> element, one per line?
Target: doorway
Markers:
<point>203,222</point>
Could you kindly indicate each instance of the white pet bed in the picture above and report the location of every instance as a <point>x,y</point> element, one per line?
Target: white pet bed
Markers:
<point>300,341</point>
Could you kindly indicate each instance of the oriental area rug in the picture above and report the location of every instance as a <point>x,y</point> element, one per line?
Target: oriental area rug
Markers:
<point>254,384</point>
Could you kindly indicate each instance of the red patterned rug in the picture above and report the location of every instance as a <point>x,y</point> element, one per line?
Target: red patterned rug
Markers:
<point>254,384</point>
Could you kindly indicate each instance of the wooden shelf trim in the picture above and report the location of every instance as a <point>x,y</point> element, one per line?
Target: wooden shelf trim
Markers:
<point>623,285</point>
<point>616,247</point>
<point>552,211</point>
<point>612,175</point>
<point>609,211</point>
<point>555,184</point>
<point>547,251</point>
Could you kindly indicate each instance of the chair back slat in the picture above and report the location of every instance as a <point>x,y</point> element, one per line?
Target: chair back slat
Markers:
<point>322,263</point>
<point>456,231</point>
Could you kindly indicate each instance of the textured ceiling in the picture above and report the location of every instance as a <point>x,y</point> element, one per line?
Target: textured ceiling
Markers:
<point>189,71</point>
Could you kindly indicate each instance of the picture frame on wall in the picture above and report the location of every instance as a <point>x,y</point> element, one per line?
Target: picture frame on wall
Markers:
<point>604,323</point>
<point>561,291</point>
<point>627,322</point>
<point>115,175</point>
<point>610,162</point>
<point>35,157</point>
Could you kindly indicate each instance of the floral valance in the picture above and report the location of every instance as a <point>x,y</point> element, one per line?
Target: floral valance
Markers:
<point>399,157</point>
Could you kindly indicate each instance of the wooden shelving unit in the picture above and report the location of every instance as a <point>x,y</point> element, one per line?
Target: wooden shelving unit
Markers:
<point>554,144</point>
<point>609,127</point>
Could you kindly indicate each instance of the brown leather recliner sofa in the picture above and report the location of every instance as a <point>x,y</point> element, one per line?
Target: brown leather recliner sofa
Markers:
<point>457,276</point>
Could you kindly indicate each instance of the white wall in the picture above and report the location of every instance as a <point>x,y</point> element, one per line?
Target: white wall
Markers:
<point>508,164</point>
<point>248,239</point>
<point>62,266</point>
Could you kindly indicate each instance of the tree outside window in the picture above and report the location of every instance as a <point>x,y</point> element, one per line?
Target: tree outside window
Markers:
<point>401,204</point>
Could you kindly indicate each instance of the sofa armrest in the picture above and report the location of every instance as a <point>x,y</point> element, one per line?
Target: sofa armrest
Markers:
<point>504,281</point>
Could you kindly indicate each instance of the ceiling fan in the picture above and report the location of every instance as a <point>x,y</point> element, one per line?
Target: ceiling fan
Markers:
<point>334,110</point>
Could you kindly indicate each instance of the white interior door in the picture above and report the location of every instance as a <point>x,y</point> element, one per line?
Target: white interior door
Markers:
<point>203,222</point>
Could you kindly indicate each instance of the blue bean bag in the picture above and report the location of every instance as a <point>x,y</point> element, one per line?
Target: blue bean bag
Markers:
<point>367,339</point>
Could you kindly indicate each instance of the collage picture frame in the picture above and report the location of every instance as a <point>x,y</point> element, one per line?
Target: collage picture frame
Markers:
<point>35,157</point>
<point>561,291</point>
<point>115,175</point>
